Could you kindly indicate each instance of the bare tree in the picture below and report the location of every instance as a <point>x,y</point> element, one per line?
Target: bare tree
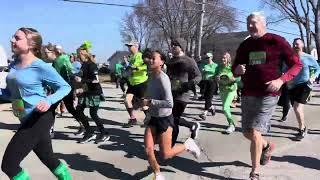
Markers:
<point>135,26</point>
<point>179,18</point>
<point>305,14</point>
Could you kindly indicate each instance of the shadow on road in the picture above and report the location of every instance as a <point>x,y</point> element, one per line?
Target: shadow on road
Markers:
<point>9,126</point>
<point>306,162</point>
<point>84,163</point>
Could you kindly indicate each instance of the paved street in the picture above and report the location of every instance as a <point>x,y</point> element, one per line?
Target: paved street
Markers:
<point>223,156</point>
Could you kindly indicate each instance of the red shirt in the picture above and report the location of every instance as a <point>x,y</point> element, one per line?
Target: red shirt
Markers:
<point>264,58</point>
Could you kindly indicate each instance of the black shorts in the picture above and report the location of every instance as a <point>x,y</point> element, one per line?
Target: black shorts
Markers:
<point>300,93</point>
<point>161,124</point>
<point>137,90</point>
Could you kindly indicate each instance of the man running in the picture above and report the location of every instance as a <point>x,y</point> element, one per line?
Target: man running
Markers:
<point>137,80</point>
<point>184,74</point>
<point>259,60</point>
<point>301,86</point>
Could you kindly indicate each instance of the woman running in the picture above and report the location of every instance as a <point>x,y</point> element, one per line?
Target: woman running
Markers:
<point>25,87</point>
<point>89,96</point>
<point>228,89</point>
<point>209,84</point>
<point>61,62</point>
<point>159,128</point>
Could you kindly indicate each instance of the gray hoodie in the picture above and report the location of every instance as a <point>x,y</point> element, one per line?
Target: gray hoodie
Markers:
<point>184,74</point>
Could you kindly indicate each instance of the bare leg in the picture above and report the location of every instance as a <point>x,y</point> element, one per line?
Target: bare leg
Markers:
<point>298,110</point>
<point>165,145</point>
<point>149,139</point>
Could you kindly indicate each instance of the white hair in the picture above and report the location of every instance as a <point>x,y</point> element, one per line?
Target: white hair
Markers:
<point>258,14</point>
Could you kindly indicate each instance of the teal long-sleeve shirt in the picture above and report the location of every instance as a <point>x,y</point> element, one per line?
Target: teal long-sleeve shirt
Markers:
<point>26,87</point>
<point>308,62</point>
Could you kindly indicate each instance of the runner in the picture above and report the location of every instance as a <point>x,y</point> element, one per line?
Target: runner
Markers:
<point>184,74</point>
<point>25,85</point>
<point>301,86</point>
<point>228,89</point>
<point>159,129</point>
<point>62,64</point>
<point>89,96</point>
<point>209,85</point>
<point>259,60</point>
<point>137,81</point>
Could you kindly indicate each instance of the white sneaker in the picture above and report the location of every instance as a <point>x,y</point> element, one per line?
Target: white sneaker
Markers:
<point>192,147</point>
<point>230,129</point>
<point>158,176</point>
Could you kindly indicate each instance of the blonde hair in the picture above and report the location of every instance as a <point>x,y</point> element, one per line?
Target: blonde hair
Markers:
<point>84,55</point>
<point>34,40</point>
<point>228,57</point>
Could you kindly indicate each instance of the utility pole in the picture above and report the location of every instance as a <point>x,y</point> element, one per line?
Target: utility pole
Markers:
<point>198,52</point>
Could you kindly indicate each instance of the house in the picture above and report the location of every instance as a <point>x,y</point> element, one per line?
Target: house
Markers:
<point>222,42</point>
<point>116,58</point>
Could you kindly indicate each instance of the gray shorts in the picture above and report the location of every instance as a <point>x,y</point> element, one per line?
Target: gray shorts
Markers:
<point>257,112</point>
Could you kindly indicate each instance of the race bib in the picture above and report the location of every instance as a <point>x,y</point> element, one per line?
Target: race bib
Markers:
<point>18,108</point>
<point>258,57</point>
<point>175,84</point>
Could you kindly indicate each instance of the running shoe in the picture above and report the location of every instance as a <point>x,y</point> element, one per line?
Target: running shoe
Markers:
<point>130,123</point>
<point>212,110</point>
<point>102,138</point>
<point>254,176</point>
<point>195,130</point>
<point>80,132</point>
<point>266,154</point>
<point>87,138</point>
<point>192,147</point>
<point>158,176</point>
<point>203,116</point>
<point>230,129</point>
<point>302,133</point>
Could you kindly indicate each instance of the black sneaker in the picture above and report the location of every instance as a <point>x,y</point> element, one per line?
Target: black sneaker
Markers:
<point>213,111</point>
<point>195,130</point>
<point>203,117</point>
<point>52,133</point>
<point>302,133</point>
<point>80,132</point>
<point>130,123</point>
<point>87,138</point>
<point>102,138</point>
<point>283,119</point>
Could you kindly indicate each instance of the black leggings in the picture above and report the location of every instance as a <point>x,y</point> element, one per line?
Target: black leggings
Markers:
<point>284,100</point>
<point>177,111</point>
<point>94,115</point>
<point>209,90</point>
<point>33,135</point>
<point>123,81</point>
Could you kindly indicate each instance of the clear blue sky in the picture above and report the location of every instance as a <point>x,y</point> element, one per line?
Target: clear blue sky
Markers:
<point>69,24</point>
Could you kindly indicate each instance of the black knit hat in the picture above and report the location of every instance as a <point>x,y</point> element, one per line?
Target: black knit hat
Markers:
<point>179,42</point>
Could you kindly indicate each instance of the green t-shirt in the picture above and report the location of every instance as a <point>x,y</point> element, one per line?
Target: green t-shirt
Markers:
<point>138,75</point>
<point>209,71</point>
<point>63,66</point>
<point>226,82</point>
<point>118,69</point>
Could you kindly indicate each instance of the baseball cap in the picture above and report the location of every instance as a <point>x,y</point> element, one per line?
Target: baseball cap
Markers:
<point>132,43</point>
<point>209,54</point>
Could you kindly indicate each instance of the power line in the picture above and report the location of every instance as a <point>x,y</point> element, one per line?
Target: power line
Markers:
<point>150,7</point>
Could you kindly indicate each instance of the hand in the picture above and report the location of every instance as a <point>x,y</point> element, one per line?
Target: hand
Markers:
<point>42,106</point>
<point>274,85</point>
<point>233,79</point>
<point>146,102</point>
<point>134,67</point>
<point>312,79</point>
<point>240,69</point>
<point>78,91</point>
<point>77,79</point>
